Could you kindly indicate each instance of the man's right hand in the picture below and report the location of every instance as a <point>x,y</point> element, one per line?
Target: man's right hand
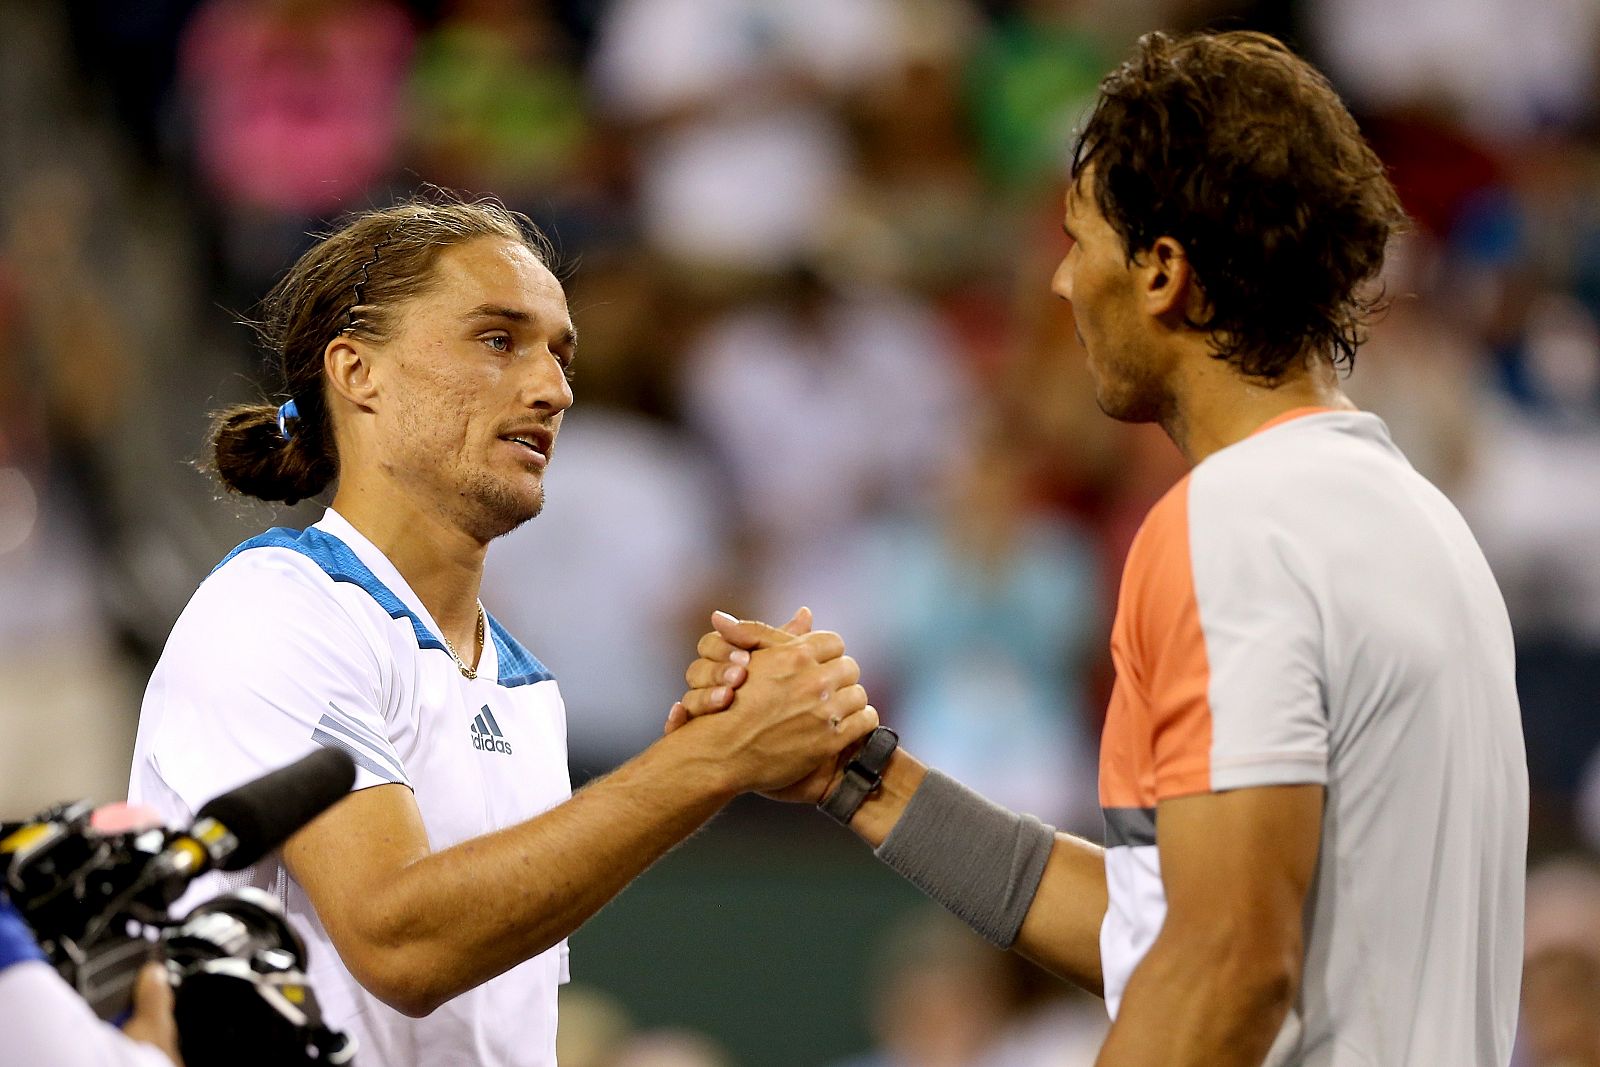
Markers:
<point>792,708</point>
<point>717,676</point>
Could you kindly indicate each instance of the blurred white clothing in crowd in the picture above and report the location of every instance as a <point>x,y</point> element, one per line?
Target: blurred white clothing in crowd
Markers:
<point>1503,66</point>
<point>742,158</point>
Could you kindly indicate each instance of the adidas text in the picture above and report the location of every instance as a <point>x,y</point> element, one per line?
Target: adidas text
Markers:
<point>490,744</point>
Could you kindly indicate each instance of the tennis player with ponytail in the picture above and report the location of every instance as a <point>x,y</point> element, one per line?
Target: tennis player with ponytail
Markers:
<point>423,354</point>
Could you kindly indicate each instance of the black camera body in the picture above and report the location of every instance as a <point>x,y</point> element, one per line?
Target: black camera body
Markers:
<point>99,903</point>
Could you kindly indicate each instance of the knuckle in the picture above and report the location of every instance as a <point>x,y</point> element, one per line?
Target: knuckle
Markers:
<point>825,640</point>
<point>794,657</point>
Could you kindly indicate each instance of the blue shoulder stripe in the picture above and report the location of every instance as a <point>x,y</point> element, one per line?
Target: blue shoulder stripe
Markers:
<point>342,565</point>
<point>517,665</point>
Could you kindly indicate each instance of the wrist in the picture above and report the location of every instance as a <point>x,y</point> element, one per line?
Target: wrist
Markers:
<point>879,813</point>
<point>699,764</point>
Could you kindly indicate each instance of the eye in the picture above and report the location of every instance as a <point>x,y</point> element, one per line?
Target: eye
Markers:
<point>500,342</point>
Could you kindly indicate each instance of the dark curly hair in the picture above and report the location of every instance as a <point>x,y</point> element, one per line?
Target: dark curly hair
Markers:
<point>1243,153</point>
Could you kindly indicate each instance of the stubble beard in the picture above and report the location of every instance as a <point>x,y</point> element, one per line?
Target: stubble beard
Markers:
<point>1128,391</point>
<point>495,508</point>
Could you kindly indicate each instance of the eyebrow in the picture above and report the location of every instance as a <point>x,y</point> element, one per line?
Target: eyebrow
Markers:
<point>498,311</point>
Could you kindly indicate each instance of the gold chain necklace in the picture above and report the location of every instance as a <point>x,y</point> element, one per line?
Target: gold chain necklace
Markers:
<point>469,673</point>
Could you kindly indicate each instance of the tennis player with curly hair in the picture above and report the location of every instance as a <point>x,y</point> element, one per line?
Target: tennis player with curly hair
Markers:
<point>1312,767</point>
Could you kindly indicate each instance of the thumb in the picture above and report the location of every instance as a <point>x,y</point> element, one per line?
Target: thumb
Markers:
<point>152,1020</point>
<point>154,991</point>
<point>748,633</point>
<point>800,624</point>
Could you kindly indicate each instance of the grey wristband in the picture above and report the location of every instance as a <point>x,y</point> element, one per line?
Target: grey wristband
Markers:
<point>979,860</point>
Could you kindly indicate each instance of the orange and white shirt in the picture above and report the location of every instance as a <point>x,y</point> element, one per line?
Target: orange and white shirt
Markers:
<point>1305,608</point>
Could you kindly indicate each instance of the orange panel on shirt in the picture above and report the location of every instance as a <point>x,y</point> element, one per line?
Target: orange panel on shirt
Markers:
<point>1157,737</point>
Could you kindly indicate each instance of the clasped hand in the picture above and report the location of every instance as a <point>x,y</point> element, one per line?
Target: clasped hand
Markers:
<point>795,693</point>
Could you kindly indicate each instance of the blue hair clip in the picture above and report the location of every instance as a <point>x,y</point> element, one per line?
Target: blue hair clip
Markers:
<point>286,411</point>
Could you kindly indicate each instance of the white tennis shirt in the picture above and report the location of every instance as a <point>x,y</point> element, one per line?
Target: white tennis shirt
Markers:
<point>313,638</point>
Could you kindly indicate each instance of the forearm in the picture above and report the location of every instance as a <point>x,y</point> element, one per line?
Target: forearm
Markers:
<point>1205,1004</point>
<point>458,917</point>
<point>1061,931</point>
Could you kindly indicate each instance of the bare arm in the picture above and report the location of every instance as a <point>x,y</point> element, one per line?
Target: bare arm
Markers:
<point>1218,981</point>
<point>1062,929</point>
<point>417,927</point>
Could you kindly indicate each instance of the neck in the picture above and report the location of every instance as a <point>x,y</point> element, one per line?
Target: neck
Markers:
<point>441,563</point>
<point>1213,406</point>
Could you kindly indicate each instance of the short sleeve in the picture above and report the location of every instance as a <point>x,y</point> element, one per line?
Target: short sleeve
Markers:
<point>1165,652</point>
<point>264,666</point>
<point>1222,646</point>
<point>1262,629</point>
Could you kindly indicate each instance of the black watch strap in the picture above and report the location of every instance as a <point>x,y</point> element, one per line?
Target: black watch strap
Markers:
<point>862,776</point>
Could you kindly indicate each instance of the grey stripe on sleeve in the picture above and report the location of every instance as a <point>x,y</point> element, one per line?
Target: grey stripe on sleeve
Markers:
<point>355,727</point>
<point>1132,827</point>
<point>327,740</point>
<point>363,742</point>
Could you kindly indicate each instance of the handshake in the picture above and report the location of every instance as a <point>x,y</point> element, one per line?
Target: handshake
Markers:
<point>783,706</point>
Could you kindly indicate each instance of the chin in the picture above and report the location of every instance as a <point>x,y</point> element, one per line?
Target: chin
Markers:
<point>1116,404</point>
<point>1125,401</point>
<point>502,508</point>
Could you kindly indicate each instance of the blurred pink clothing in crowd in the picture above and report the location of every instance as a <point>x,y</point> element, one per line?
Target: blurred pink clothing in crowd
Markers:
<point>296,104</point>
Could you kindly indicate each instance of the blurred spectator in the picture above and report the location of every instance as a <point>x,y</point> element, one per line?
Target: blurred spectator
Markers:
<point>1031,82</point>
<point>1421,371</point>
<point>671,1048</point>
<point>914,215</point>
<point>826,407</point>
<point>594,1026</point>
<point>1560,1025</point>
<point>64,368</point>
<point>986,607</point>
<point>741,157</point>
<point>496,105</point>
<point>942,997</point>
<point>296,114</point>
<point>1503,66</point>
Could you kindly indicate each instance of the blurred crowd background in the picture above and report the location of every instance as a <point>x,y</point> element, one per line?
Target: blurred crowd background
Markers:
<point>807,244</point>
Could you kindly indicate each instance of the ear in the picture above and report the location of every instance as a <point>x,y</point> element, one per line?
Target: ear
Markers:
<point>1170,289</point>
<point>347,361</point>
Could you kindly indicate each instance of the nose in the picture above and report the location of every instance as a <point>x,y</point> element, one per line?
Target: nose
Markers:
<point>546,388</point>
<point>1061,281</point>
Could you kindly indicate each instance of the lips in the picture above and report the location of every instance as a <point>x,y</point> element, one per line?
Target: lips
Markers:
<point>535,440</point>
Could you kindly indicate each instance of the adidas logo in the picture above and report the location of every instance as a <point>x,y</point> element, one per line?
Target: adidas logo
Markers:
<point>486,735</point>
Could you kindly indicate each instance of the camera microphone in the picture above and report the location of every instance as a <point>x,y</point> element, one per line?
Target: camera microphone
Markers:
<point>240,827</point>
<point>96,887</point>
